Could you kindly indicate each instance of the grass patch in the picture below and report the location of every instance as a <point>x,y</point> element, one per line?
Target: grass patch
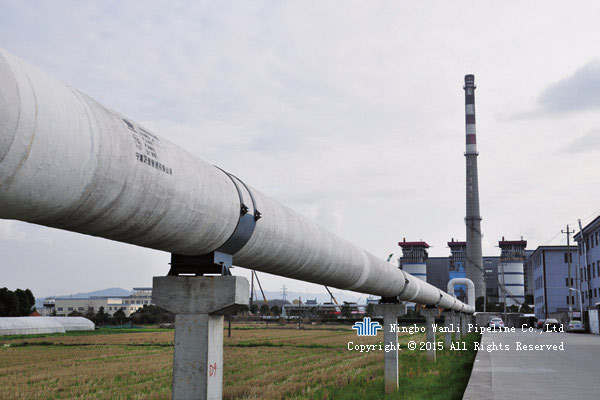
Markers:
<point>270,344</point>
<point>446,379</point>
<point>260,363</point>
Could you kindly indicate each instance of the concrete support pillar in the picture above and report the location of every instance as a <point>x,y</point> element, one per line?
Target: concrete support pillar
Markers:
<point>390,313</point>
<point>464,319</point>
<point>449,324</point>
<point>199,304</point>
<point>430,314</point>
<point>457,326</point>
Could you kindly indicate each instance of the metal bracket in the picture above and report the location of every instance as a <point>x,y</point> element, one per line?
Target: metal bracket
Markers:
<point>221,259</point>
<point>406,282</point>
<point>440,299</point>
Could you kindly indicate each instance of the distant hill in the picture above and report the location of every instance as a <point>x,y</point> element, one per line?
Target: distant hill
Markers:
<point>103,292</point>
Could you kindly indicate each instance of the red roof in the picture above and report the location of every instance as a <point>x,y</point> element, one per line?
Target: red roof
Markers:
<point>35,314</point>
<point>450,244</point>
<point>402,244</point>
<point>512,242</point>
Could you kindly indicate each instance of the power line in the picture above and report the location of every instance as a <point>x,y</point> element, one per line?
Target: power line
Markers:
<point>549,242</point>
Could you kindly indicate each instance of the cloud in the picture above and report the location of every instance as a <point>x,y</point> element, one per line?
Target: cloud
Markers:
<point>12,231</point>
<point>583,144</point>
<point>577,92</point>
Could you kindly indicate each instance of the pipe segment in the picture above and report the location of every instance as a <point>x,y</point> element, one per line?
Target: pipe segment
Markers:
<point>70,163</point>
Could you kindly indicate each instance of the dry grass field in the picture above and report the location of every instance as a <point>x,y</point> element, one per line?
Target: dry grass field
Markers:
<point>259,364</point>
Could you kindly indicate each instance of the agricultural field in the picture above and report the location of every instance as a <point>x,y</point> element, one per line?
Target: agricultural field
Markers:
<point>260,363</point>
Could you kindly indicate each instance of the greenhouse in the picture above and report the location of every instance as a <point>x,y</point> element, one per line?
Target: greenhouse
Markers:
<point>39,325</point>
<point>74,323</point>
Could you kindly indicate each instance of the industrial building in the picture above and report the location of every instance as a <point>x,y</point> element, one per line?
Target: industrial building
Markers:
<point>311,308</point>
<point>511,275</point>
<point>64,306</point>
<point>588,260</point>
<point>439,270</point>
<point>414,258</point>
<point>550,280</point>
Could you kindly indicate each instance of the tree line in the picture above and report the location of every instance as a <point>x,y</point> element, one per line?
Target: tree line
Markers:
<point>19,303</point>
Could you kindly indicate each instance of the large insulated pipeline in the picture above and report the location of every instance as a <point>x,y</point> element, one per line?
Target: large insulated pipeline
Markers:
<point>70,163</point>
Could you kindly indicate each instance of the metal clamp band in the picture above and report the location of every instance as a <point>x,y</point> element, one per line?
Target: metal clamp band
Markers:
<point>243,207</point>
<point>221,259</point>
<point>243,230</point>
<point>406,282</point>
<point>440,299</point>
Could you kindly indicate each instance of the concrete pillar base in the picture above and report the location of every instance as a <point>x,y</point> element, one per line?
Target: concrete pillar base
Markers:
<point>199,304</point>
<point>449,324</point>
<point>390,313</point>
<point>430,314</point>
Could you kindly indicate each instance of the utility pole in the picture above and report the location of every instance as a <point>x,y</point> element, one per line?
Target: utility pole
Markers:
<point>299,312</point>
<point>568,257</point>
<point>503,290</point>
<point>283,293</point>
<point>251,291</point>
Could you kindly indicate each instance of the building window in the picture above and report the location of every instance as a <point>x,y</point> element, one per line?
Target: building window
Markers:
<point>60,308</point>
<point>588,272</point>
<point>595,293</point>
<point>70,309</point>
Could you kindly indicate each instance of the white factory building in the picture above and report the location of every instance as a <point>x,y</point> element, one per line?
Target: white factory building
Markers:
<point>63,306</point>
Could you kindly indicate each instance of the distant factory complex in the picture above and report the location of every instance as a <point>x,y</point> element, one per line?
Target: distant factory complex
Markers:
<point>552,279</point>
<point>63,306</point>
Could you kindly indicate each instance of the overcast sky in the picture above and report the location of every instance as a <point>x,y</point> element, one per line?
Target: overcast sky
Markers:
<point>351,113</point>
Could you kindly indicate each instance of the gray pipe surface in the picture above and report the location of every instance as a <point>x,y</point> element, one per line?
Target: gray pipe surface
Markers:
<point>68,162</point>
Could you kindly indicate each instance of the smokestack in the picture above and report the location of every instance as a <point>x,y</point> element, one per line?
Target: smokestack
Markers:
<point>474,267</point>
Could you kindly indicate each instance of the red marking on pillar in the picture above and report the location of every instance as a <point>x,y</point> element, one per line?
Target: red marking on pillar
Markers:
<point>212,369</point>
